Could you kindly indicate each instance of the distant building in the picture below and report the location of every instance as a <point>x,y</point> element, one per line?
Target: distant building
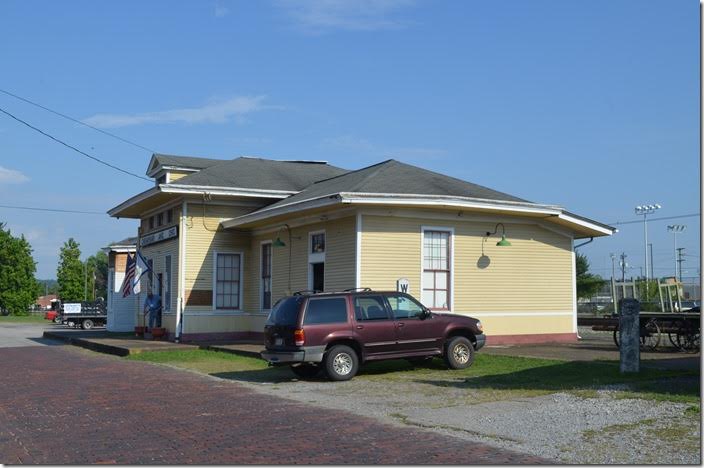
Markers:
<point>121,311</point>
<point>44,302</point>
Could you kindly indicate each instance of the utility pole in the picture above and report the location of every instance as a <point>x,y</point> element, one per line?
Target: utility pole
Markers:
<point>613,282</point>
<point>680,259</point>
<point>85,282</point>
<point>624,265</point>
<point>676,229</point>
<point>652,261</point>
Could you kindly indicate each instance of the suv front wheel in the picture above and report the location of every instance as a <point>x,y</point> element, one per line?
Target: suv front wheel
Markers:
<point>341,362</point>
<point>459,353</point>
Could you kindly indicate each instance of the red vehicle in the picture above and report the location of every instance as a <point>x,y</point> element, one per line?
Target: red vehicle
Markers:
<point>53,314</point>
<point>337,332</point>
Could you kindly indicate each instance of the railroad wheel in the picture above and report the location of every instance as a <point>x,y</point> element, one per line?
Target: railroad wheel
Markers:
<point>650,335</point>
<point>688,338</point>
<point>87,324</point>
<point>617,339</point>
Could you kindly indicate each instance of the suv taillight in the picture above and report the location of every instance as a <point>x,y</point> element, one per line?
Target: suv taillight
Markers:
<point>299,337</point>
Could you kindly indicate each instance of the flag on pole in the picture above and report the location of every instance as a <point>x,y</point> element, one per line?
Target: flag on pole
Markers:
<point>129,275</point>
<point>141,268</point>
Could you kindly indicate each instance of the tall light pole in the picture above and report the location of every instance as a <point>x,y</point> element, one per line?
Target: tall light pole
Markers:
<point>645,210</point>
<point>676,229</point>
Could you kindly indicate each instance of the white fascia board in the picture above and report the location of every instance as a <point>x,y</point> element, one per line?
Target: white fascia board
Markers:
<point>440,200</point>
<point>237,191</point>
<point>586,224</point>
<point>285,209</point>
<point>134,200</point>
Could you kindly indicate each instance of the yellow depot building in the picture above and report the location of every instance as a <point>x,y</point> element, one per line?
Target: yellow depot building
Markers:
<point>228,238</point>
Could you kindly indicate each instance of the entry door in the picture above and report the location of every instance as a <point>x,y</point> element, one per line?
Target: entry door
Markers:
<point>317,276</point>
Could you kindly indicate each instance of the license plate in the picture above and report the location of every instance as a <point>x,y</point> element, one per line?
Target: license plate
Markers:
<point>278,341</point>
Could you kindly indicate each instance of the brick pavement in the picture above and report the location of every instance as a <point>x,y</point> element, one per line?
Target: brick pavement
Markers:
<point>60,406</point>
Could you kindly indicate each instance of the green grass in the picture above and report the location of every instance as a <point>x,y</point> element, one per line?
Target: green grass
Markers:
<point>23,319</point>
<point>490,378</point>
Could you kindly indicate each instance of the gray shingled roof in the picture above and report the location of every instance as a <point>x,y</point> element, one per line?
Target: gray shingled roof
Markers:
<point>127,241</point>
<point>395,177</point>
<point>265,174</point>
<point>190,162</point>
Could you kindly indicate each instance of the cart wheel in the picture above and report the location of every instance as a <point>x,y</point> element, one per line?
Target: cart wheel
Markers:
<point>617,338</point>
<point>87,324</point>
<point>650,335</point>
<point>673,339</point>
<point>688,338</point>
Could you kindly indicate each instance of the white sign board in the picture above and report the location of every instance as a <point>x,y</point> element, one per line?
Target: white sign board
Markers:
<point>159,236</point>
<point>402,285</point>
<point>71,308</point>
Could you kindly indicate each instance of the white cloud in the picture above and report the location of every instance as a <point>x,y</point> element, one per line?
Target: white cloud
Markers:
<point>11,176</point>
<point>221,10</point>
<point>214,112</point>
<point>319,16</point>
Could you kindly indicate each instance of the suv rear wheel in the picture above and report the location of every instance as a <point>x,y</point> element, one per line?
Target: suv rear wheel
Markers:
<point>305,371</point>
<point>341,362</point>
<point>459,353</point>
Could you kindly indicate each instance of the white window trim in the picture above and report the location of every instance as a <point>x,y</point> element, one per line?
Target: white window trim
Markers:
<point>166,307</point>
<point>450,230</point>
<point>215,279</point>
<point>271,278</point>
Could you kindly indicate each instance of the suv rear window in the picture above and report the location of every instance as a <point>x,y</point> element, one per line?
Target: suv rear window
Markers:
<point>285,312</point>
<point>328,310</point>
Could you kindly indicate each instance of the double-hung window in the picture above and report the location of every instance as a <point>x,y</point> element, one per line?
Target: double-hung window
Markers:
<point>436,269</point>
<point>227,280</point>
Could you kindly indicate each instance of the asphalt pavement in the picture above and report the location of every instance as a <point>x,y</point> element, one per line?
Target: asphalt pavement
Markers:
<point>14,335</point>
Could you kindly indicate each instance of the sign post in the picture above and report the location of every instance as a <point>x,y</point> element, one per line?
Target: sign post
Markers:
<point>629,334</point>
<point>402,285</point>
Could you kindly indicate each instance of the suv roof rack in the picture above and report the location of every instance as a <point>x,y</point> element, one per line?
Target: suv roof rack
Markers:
<point>357,289</point>
<point>305,291</point>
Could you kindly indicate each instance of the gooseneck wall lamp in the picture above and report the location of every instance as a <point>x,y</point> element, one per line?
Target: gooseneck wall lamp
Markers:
<point>503,242</point>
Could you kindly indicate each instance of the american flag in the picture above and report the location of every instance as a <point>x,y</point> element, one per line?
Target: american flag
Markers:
<point>129,275</point>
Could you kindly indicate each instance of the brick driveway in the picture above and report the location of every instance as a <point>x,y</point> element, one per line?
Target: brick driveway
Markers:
<point>60,406</point>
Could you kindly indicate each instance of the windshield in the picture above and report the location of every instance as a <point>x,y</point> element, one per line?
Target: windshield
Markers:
<point>285,312</point>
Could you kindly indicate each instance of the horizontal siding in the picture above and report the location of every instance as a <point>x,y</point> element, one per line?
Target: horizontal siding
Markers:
<point>339,260</point>
<point>157,253</point>
<point>203,238</point>
<point>534,274</point>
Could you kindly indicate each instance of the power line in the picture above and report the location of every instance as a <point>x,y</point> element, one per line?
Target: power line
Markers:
<point>654,219</point>
<point>124,140</point>
<point>57,210</point>
<point>73,147</point>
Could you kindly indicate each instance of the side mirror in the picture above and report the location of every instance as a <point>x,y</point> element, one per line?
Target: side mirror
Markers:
<point>425,314</point>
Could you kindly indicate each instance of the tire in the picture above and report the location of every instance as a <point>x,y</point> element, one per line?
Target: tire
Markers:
<point>459,353</point>
<point>71,324</point>
<point>341,363</point>
<point>306,371</point>
<point>87,324</point>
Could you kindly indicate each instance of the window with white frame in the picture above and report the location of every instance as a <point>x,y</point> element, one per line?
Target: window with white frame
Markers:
<point>227,280</point>
<point>266,276</point>
<point>436,269</point>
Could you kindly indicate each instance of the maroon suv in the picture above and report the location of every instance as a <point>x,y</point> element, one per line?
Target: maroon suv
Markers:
<point>339,331</point>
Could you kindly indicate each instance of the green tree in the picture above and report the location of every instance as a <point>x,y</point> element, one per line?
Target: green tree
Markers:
<point>587,283</point>
<point>69,274</point>
<point>97,275</point>
<point>18,287</point>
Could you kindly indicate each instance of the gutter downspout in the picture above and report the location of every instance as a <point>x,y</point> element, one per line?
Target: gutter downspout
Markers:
<point>574,274</point>
<point>591,239</point>
<point>181,273</point>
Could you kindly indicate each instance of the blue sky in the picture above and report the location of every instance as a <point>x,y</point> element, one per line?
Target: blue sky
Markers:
<point>590,105</point>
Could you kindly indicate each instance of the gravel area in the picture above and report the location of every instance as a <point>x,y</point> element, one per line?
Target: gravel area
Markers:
<point>561,426</point>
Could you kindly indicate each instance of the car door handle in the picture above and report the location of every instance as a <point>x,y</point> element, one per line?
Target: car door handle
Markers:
<point>400,324</point>
<point>359,327</point>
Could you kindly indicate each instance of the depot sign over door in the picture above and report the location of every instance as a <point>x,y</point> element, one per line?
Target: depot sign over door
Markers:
<point>159,236</point>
